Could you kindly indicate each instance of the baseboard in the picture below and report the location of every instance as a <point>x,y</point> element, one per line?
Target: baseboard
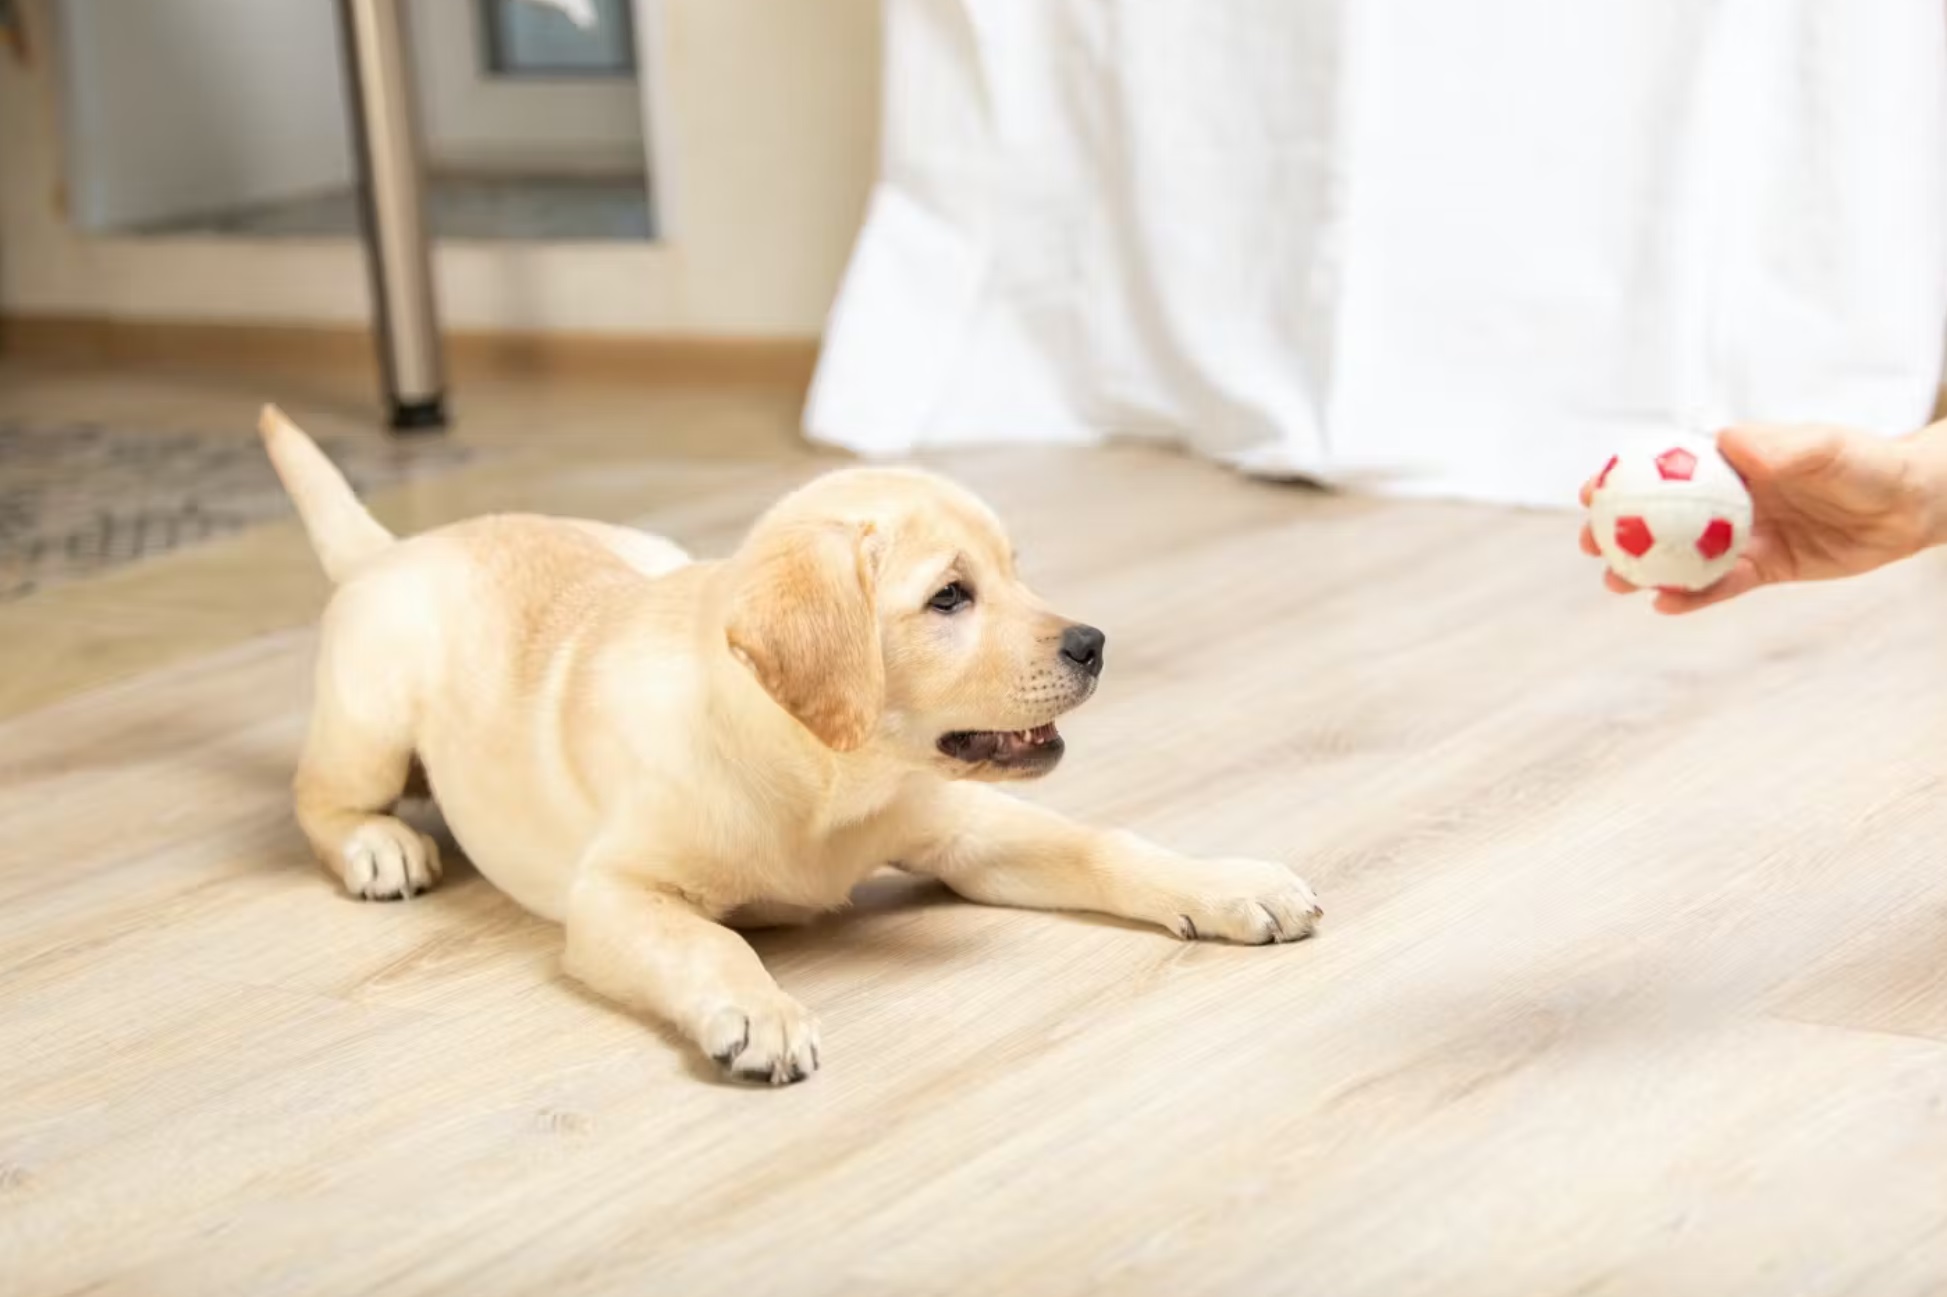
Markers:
<point>567,164</point>
<point>659,360</point>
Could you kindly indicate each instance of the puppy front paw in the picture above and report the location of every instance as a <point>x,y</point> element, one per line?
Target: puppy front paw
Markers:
<point>1251,902</point>
<point>388,860</point>
<point>775,1043</point>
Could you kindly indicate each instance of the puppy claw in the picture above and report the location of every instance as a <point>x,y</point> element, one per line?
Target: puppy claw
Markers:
<point>728,1054</point>
<point>1250,903</point>
<point>387,860</point>
<point>776,1045</point>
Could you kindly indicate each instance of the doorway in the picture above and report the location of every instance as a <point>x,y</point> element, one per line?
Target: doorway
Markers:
<point>211,118</point>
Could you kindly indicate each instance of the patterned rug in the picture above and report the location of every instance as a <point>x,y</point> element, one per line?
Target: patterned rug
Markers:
<point>79,498</point>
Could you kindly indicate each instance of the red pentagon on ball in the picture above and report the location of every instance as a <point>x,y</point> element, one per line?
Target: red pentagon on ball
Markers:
<point>1633,536</point>
<point>1602,478</point>
<point>1716,539</point>
<point>1676,465</point>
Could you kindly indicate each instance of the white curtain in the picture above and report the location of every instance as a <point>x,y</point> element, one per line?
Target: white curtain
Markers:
<point>1428,247</point>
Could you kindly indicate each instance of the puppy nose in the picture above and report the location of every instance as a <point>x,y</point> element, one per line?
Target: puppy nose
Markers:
<point>1082,645</point>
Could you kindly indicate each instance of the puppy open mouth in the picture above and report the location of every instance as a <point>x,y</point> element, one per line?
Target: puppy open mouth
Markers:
<point>1040,746</point>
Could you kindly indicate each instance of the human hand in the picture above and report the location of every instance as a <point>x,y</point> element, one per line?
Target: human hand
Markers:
<point>1825,503</point>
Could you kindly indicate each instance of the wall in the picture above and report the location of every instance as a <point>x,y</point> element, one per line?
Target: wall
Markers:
<point>767,115</point>
<point>528,125</point>
<point>196,105</point>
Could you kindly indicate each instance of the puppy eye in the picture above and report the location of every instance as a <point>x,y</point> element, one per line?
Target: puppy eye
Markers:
<point>951,599</point>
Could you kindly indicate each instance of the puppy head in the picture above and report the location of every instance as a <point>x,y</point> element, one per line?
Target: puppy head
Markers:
<point>883,610</point>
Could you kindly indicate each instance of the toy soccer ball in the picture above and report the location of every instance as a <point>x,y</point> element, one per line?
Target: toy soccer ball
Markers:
<point>1670,514</point>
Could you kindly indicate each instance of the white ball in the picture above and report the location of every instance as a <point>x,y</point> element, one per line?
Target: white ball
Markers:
<point>1670,514</point>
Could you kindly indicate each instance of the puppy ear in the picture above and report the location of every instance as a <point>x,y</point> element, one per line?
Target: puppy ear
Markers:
<point>801,617</point>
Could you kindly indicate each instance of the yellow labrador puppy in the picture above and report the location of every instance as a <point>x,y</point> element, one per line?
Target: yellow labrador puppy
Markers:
<point>645,749</point>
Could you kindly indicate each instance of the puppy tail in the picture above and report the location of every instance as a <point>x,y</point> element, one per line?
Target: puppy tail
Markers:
<point>344,535</point>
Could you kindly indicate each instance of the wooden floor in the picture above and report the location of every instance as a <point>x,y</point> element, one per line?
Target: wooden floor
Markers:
<point>1633,978</point>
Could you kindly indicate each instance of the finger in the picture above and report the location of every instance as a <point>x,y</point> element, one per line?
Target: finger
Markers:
<point>1771,450</point>
<point>1617,584</point>
<point>1588,492</point>
<point>1744,447</point>
<point>1743,579</point>
<point>1589,546</point>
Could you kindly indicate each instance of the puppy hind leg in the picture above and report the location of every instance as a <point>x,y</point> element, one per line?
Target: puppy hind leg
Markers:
<point>353,772</point>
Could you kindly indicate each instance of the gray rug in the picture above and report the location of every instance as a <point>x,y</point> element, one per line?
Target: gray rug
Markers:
<point>79,498</point>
